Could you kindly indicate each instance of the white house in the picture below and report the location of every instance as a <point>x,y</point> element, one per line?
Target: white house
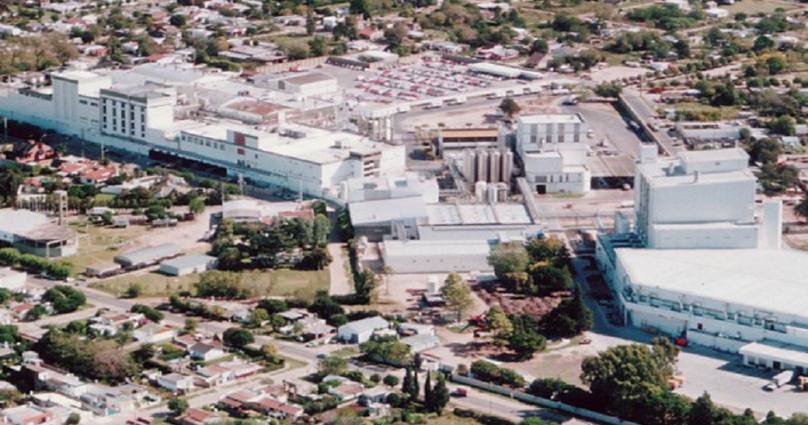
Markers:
<point>205,352</point>
<point>153,333</point>
<point>176,382</point>
<point>360,331</point>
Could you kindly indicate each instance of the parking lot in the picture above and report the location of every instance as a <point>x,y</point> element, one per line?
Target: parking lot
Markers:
<point>423,79</point>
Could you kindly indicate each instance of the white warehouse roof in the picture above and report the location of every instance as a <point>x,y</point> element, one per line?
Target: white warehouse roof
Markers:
<point>770,280</point>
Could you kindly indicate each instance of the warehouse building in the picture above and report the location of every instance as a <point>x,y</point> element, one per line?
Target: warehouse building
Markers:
<point>188,264</point>
<point>147,256</point>
<point>360,331</point>
<point>34,233</point>
<point>418,256</point>
<point>720,298</point>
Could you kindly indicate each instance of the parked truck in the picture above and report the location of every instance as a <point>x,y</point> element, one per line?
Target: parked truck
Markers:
<point>779,380</point>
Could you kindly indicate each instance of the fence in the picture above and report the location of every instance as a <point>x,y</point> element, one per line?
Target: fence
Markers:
<point>538,401</point>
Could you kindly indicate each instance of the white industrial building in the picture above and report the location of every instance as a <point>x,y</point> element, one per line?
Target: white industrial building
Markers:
<point>309,84</point>
<point>360,331</point>
<point>135,111</point>
<point>720,298</point>
<point>305,159</point>
<point>703,261</point>
<point>388,187</point>
<point>435,256</point>
<point>700,199</point>
<point>553,151</point>
<point>34,233</point>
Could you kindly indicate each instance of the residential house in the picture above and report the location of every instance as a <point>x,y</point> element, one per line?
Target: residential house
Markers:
<point>206,351</point>
<point>198,417</point>
<point>153,333</point>
<point>211,376</point>
<point>176,383</point>
<point>347,390</point>
<point>35,153</point>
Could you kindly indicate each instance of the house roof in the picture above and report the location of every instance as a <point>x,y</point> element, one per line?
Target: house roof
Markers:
<point>369,324</point>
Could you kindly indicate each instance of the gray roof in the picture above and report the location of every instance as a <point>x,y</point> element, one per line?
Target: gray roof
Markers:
<point>186,261</point>
<point>421,342</point>
<point>148,255</point>
<point>386,210</point>
<point>369,324</point>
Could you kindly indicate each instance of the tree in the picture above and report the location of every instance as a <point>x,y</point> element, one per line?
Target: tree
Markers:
<point>320,229</point>
<point>269,351</point>
<point>763,42</point>
<point>258,317</point>
<point>608,90</point>
<point>311,23</point>
<point>497,321</point>
<point>428,390</point>
<point>64,299</point>
<point>539,46</point>
<point>703,411</point>
<point>177,406</point>
<point>525,339</point>
<point>776,64</point>
<point>801,209</point>
<point>783,125</point>
<point>237,338</point>
<point>509,107</point>
<point>439,396</point>
<point>216,283</point>
<point>548,278</point>
<point>410,384</point>
<point>457,295</point>
<point>144,353</point>
<point>569,318</point>
<point>332,365</point>
<point>360,7</point>
<point>190,325</point>
<point>550,249</point>
<point>508,258</point>
<point>620,375</point>
<point>73,419</point>
<point>150,313</point>
<point>196,205</point>
<point>390,380</point>
<point>178,21</point>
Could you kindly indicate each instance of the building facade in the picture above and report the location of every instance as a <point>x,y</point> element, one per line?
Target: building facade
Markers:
<point>553,151</point>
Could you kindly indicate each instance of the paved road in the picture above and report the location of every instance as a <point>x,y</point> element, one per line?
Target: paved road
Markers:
<point>646,113</point>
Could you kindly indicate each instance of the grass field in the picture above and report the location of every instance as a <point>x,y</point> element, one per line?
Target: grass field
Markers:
<point>280,283</point>
<point>99,245</point>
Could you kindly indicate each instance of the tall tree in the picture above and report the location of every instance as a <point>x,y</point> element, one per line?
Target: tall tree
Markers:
<point>509,107</point>
<point>428,390</point>
<point>457,295</point>
<point>440,396</point>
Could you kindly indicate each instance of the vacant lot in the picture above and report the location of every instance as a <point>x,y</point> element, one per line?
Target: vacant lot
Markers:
<point>279,283</point>
<point>99,245</point>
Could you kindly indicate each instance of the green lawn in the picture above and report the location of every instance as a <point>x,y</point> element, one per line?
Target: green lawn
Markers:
<point>280,283</point>
<point>101,244</point>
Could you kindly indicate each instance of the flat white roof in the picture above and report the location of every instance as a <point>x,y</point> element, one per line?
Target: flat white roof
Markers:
<point>432,249</point>
<point>714,155</point>
<point>20,222</point>
<point>385,210</point>
<point>469,214</point>
<point>772,351</point>
<point>770,280</point>
<point>550,118</point>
